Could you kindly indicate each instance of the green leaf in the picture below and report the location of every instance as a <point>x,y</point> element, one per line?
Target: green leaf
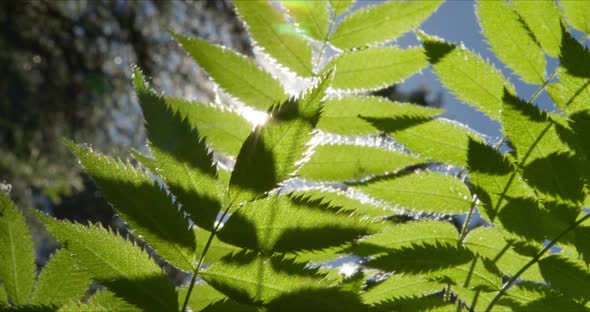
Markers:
<point>516,48</point>
<point>488,242</point>
<point>321,300</point>
<point>120,265</point>
<point>283,224</point>
<point>272,151</point>
<point>202,295</point>
<point>436,140</point>
<point>572,93</point>
<point>143,204</point>
<point>311,17</point>
<point>432,259</point>
<point>465,74</point>
<point>353,162</point>
<point>542,18</point>
<point>376,68</point>
<point>341,6</point>
<point>577,14</point>
<point>182,157</point>
<point>400,286</point>
<point>582,242</point>
<point>249,278</point>
<point>343,115</point>
<point>478,274</point>
<point>17,268</point>
<point>540,151</point>
<point>428,303</point>
<point>381,23</point>
<point>424,191</point>
<point>345,199</point>
<point>494,179</point>
<point>270,31</point>
<point>224,129</point>
<point>3,296</point>
<point>405,235</point>
<point>571,278</point>
<point>60,281</point>
<point>217,249</point>
<point>102,300</point>
<point>230,69</point>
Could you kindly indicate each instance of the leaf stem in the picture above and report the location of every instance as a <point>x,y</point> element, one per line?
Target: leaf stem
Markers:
<point>202,257</point>
<point>536,258</point>
<point>465,227</point>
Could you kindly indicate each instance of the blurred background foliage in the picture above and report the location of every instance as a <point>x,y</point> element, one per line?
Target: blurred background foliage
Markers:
<point>67,73</point>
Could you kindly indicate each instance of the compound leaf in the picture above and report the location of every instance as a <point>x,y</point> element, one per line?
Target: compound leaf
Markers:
<point>182,157</point>
<point>272,151</point>
<point>235,73</point>
<point>17,268</point>
<point>249,278</point>
<point>143,204</point>
<point>283,224</point>
<point>116,263</point>
<point>381,23</point>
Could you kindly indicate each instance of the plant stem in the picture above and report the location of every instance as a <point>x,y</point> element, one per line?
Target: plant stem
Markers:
<point>202,258</point>
<point>465,227</point>
<point>536,258</point>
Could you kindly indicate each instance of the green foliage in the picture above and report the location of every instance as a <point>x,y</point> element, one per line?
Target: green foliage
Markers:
<point>261,232</point>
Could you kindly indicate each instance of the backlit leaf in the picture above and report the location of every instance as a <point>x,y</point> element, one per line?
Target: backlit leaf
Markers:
<point>466,75</point>
<point>248,278</point>
<point>381,23</point>
<point>271,152</point>
<point>312,17</point>
<point>577,13</point>
<point>120,265</point>
<point>341,6</point>
<point>424,191</point>
<point>542,17</point>
<point>17,268</point>
<point>376,68</point>
<point>346,115</point>
<point>182,157</point>
<point>516,48</point>
<point>400,286</point>
<point>224,129</point>
<point>270,31</point>
<point>230,69</point>
<point>149,210</point>
<point>283,224</point>
<point>353,162</point>
<point>60,281</point>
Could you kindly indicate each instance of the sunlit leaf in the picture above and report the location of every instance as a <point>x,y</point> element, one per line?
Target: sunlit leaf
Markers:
<point>17,268</point>
<point>375,68</point>
<point>516,48</point>
<point>311,17</point>
<point>270,31</point>
<point>380,23</point>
